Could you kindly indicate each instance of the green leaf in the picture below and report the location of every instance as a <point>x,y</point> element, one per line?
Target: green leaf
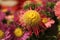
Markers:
<point>46,13</point>
<point>33,6</point>
<point>38,4</point>
<point>50,4</point>
<point>26,6</point>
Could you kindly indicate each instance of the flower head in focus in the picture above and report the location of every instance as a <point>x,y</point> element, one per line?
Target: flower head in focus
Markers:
<point>32,19</point>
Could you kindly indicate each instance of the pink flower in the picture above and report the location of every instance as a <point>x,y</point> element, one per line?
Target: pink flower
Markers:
<point>25,36</point>
<point>57,9</point>
<point>7,35</point>
<point>18,33</point>
<point>2,15</point>
<point>4,31</point>
<point>49,23</point>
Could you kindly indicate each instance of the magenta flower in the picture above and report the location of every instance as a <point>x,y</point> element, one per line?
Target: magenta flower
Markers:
<point>18,33</point>
<point>57,9</point>
<point>2,16</point>
<point>4,32</point>
<point>25,36</point>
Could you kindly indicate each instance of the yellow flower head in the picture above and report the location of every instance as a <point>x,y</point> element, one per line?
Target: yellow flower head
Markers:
<point>18,32</point>
<point>31,17</point>
<point>1,34</point>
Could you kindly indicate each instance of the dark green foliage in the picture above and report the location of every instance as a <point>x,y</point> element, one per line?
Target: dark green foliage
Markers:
<point>50,4</point>
<point>4,21</point>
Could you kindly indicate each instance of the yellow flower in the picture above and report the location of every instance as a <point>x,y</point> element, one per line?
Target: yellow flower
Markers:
<point>31,17</point>
<point>18,32</point>
<point>1,33</point>
<point>44,20</point>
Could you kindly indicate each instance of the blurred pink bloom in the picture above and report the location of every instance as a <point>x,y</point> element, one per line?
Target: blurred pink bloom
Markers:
<point>57,9</point>
<point>7,36</point>
<point>2,15</point>
<point>6,31</point>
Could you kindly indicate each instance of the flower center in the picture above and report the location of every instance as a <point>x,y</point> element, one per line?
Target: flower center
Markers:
<point>31,17</point>
<point>1,33</point>
<point>44,20</point>
<point>18,32</point>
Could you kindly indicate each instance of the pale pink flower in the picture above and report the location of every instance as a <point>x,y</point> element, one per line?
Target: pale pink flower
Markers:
<point>49,23</point>
<point>57,9</point>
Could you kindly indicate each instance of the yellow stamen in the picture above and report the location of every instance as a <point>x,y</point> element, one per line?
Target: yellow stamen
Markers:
<point>18,32</point>
<point>44,20</point>
<point>31,17</point>
<point>1,34</point>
